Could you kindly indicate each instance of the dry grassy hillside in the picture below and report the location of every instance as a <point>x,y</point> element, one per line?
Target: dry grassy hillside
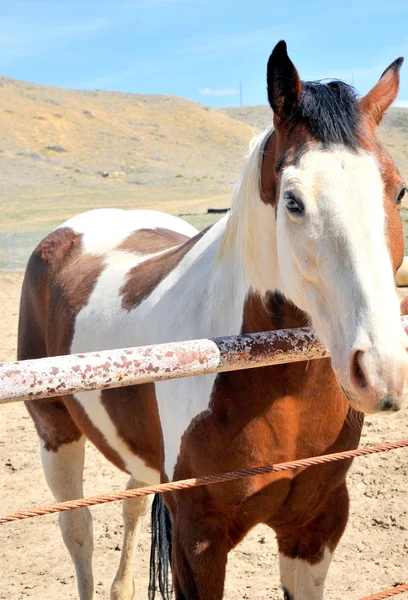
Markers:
<point>65,151</point>
<point>56,145</point>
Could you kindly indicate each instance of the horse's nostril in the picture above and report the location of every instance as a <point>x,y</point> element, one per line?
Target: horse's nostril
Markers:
<point>357,370</point>
<point>388,403</point>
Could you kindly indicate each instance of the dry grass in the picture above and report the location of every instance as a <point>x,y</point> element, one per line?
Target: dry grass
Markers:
<point>160,152</point>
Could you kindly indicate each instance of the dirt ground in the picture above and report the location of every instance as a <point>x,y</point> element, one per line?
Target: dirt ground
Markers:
<point>372,556</point>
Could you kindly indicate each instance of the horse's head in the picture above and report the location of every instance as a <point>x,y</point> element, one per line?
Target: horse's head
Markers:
<point>336,194</point>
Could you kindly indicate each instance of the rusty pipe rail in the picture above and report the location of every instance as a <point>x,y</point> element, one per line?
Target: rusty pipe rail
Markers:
<point>62,375</point>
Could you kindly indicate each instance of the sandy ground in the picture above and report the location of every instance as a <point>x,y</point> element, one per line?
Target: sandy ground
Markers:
<point>372,556</point>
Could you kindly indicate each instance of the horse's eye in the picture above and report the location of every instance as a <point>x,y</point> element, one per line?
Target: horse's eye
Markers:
<point>400,196</point>
<point>294,205</point>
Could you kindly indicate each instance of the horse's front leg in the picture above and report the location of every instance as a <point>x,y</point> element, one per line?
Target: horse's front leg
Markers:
<point>305,552</point>
<point>201,542</point>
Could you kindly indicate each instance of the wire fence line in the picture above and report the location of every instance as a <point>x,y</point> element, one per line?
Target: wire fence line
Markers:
<point>395,591</point>
<point>184,484</point>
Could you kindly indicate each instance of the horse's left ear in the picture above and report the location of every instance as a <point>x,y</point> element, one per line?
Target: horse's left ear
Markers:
<point>284,85</point>
<point>375,104</point>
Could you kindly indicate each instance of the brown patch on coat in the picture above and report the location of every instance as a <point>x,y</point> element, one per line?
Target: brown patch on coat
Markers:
<point>262,416</point>
<point>45,331</point>
<point>53,423</point>
<point>58,282</point>
<point>85,425</point>
<point>149,241</point>
<point>69,292</point>
<point>133,410</point>
<point>145,277</point>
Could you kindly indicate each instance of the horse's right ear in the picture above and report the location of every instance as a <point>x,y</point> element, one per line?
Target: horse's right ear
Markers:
<point>284,85</point>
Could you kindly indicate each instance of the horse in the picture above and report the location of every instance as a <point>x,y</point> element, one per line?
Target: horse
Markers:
<point>314,236</point>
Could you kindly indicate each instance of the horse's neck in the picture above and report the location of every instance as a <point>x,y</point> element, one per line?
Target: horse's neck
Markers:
<point>271,312</point>
<point>240,258</point>
<point>301,396</point>
<point>274,312</point>
<point>226,274</point>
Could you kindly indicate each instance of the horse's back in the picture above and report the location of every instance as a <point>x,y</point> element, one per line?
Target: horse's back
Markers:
<point>64,268</point>
<point>107,229</point>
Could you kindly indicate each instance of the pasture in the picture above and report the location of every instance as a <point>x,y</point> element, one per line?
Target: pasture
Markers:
<point>38,195</point>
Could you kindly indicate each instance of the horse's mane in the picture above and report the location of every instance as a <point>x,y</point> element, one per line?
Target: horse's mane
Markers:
<point>330,112</point>
<point>244,226</point>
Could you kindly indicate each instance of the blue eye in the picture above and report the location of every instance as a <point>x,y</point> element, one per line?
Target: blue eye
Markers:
<point>294,205</point>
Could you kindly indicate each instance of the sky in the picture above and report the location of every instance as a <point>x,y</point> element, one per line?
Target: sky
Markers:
<point>199,49</point>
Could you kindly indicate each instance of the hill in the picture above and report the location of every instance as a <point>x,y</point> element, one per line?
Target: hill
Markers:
<point>64,151</point>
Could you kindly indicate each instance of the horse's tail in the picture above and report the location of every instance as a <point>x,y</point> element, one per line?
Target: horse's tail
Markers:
<point>160,553</point>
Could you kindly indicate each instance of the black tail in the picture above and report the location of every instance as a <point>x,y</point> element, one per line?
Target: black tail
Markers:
<point>160,553</point>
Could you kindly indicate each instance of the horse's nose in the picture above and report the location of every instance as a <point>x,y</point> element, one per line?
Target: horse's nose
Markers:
<point>378,377</point>
<point>388,404</point>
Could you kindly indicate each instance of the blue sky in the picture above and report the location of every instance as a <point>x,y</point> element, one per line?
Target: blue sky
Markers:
<point>199,49</point>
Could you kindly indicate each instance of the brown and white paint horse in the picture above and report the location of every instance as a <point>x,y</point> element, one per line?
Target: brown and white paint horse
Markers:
<point>314,235</point>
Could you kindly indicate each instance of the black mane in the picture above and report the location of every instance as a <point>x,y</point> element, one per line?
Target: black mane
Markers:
<point>330,112</point>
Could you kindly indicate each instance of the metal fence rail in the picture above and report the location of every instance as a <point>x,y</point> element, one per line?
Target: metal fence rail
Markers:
<point>62,375</point>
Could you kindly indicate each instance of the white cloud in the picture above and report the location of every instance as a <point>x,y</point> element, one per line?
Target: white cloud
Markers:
<point>222,92</point>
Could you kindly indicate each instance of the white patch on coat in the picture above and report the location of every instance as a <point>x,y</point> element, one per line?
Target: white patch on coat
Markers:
<point>302,580</point>
<point>104,229</point>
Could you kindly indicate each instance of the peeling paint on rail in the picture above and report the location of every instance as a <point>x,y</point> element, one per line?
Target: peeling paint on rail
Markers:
<point>62,375</point>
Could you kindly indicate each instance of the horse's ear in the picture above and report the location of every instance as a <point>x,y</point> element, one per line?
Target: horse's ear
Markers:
<point>284,85</point>
<point>375,104</point>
